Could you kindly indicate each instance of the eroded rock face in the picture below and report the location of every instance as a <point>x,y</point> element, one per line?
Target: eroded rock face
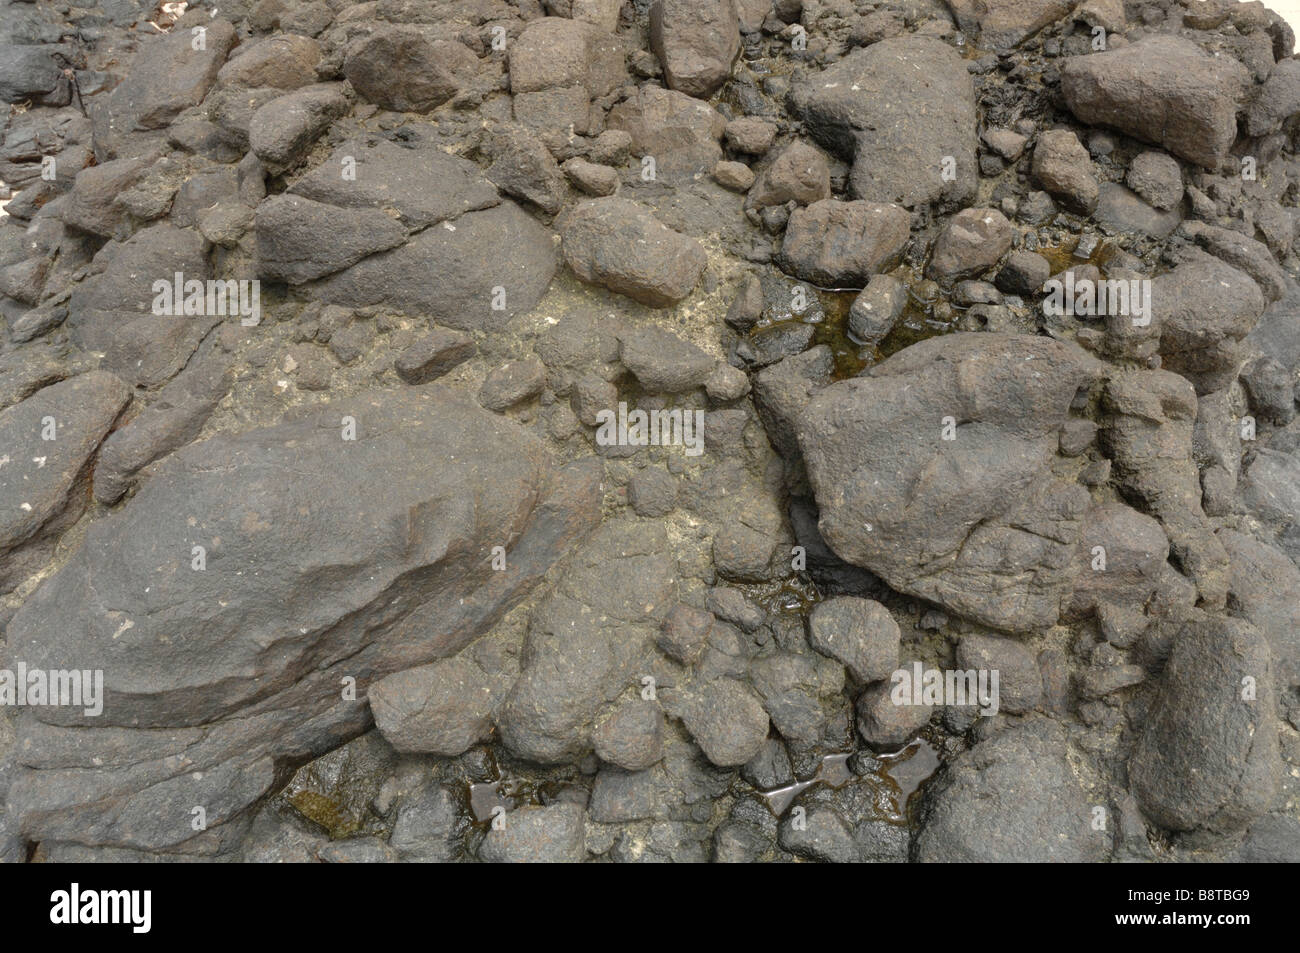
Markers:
<point>303,582</point>
<point>170,77</point>
<point>584,642</point>
<point>49,440</point>
<point>361,650</point>
<point>975,523</point>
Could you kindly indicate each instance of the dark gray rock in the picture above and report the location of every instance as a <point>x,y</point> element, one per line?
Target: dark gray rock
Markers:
<point>972,243</point>
<point>1123,211</point>
<point>542,835</point>
<point>289,230</point>
<point>696,41</point>
<point>1161,89</point>
<point>584,642</point>
<point>632,737</point>
<point>399,68</point>
<point>166,78</point>
<point>512,384</point>
<point>1243,253</point>
<point>93,205</point>
<point>1270,489</point>
<point>1270,389</point>
<point>443,708</point>
<point>1276,101</point>
<point>897,110</point>
<point>553,52</point>
<point>1202,310</point>
<point>1002,24</point>
<point>823,836</point>
<point>429,827</point>
<point>800,693</point>
<point>885,725</point>
<point>49,441</point>
<point>1148,436</point>
<point>679,132</point>
<point>877,309</point>
<point>799,173</point>
<point>858,632</point>
<point>1023,273</point>
<point>882,473</point>
<point>662,362</point>
<point>433,355</point>
<point>282,61</point>
<point>522,167</point>
<point>1157,178</point>
<point>409,582</point>
<point>1207,764</point>
<point>1011,799</point>
<point>31,73</point>
<point>1020,687</point>
<point>684,632</point>
<point>455,273</point>
<point>173,420</point>
<point>414,181</point>
<point>281,132</point>
<point>725,718</point>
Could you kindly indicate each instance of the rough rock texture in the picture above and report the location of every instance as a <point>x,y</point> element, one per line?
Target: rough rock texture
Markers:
<point>496,430</point>
<point>620,245</point>
<point>1207,761</point>
<point>882,472</point>
<point>1163,90</point>
<point>1032,808</point>
<point>696,41</point>
<point>897,110</point>
<point>255,688</point>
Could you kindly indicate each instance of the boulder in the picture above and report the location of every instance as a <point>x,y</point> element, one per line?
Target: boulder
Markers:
<point>884,475</point>
<point>903,112</point>
<point>219,662</point>
<point>1161,89</point>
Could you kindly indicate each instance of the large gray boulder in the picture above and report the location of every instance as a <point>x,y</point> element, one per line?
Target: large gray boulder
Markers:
<point>976,523</point>
<point>1161,89</point>
<point>1207,764</point>
<point>223,662</point>
<point>1011,799</point>
<point>903,112</point>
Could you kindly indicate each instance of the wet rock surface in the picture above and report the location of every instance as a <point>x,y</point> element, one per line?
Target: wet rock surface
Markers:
<point>676,431</point>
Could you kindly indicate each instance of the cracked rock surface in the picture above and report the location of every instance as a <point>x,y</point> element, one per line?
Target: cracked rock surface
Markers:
<point>650,431</point>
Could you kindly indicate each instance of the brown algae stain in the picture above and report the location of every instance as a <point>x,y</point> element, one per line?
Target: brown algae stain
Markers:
<point>325,812</point>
